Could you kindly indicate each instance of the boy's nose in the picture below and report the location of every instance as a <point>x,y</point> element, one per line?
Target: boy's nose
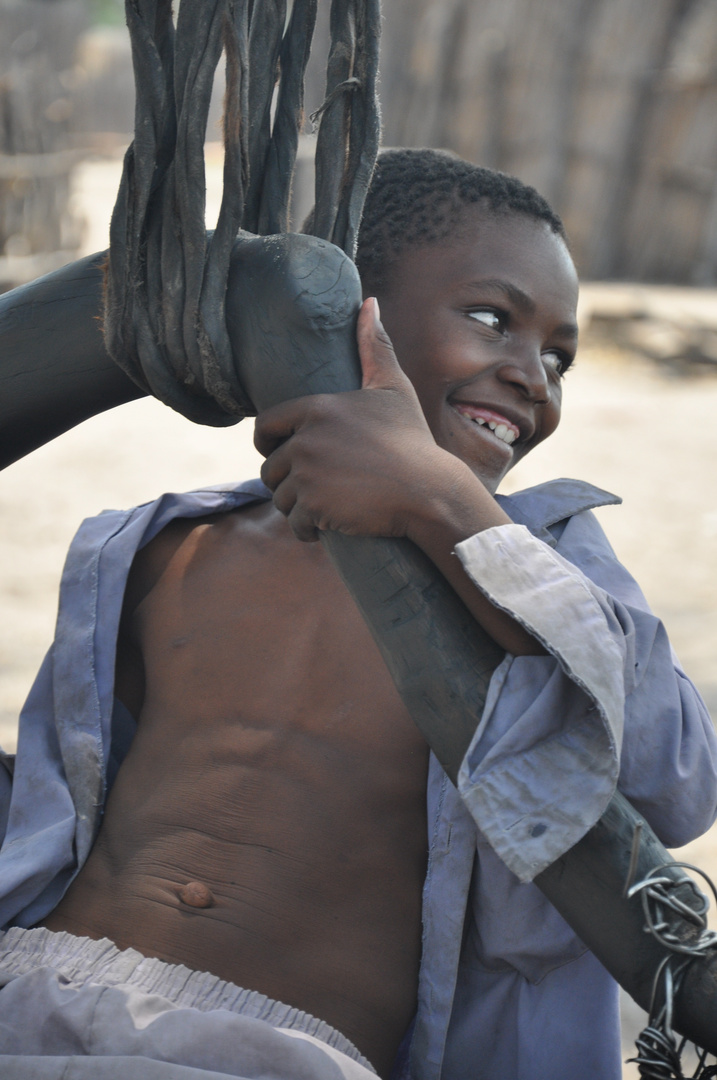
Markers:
<point>526,371</point>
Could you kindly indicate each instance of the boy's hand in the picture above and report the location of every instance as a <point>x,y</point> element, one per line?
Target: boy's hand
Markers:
<point>365,463</point>
<point>362,463</point>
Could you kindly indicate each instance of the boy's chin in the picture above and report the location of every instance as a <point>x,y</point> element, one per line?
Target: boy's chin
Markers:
<point>488,478</point>
<point>492,479</point>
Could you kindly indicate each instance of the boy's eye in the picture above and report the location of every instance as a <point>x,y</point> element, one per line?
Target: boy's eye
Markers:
<point>491,318</point>
<point>556,362</point>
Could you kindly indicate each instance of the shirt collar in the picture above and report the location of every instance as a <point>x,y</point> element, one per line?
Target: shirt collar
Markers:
<point>545,505</point>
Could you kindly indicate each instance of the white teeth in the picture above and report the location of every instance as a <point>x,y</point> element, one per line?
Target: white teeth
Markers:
<point>501,431</point>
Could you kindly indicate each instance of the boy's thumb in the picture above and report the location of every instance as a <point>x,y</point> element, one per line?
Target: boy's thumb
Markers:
<point>379,365</point>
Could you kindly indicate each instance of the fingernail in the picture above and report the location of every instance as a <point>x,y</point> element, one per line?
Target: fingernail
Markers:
<point>376,310</point>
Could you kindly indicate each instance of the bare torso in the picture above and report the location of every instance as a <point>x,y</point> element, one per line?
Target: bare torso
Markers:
<point>276,769</point>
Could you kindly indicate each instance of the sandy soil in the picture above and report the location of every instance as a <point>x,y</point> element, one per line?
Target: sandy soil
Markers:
<point>627,427</point>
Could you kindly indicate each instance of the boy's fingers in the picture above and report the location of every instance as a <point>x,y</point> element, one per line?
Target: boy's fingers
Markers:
<point>300,520</point>
<point>275,425</point>
<point>302,526</point>
<point>276,467</point>
<point>285,498</point>
<point>378,359</point>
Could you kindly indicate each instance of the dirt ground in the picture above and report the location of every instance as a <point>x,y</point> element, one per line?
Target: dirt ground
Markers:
<point>627,427</point>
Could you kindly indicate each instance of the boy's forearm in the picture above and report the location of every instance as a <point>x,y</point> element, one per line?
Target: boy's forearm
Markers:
<point>459,511</point>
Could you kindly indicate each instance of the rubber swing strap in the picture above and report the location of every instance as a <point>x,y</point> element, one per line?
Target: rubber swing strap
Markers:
<point>165,317</point>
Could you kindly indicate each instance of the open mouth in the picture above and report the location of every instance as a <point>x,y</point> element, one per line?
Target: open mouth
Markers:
<point>502,428</point>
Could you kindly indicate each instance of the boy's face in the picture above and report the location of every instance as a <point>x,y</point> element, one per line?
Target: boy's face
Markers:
<point>484,326</point>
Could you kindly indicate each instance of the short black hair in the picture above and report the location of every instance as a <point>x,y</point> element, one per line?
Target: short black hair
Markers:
<point>416,197</point>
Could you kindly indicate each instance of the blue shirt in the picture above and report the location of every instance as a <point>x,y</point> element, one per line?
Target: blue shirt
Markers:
<point>506,990</point>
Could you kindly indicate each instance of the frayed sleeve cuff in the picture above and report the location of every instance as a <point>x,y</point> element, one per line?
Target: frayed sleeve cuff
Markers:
<point>535,786</point>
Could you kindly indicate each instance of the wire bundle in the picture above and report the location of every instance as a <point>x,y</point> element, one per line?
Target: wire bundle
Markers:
<point>659,1050</point>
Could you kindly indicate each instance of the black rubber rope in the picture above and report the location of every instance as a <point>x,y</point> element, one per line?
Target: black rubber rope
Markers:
<point>265,37</point>
<point>279,171</point>
<point>165,319</point>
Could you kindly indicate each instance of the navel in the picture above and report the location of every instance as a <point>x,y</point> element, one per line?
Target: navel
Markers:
<point>196,894</point>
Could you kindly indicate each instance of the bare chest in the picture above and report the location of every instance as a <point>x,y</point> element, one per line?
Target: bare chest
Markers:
<point>261,634</point>
<point>275,765</point>
<point>264,686</point>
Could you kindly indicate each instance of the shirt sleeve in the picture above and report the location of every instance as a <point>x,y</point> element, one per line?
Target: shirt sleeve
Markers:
<point>7,762</point>
<point>608,702</point>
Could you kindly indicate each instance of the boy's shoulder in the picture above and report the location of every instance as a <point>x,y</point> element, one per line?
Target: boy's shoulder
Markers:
<point>104,547</point>
<point>541,508</point>
<point>138,525</point>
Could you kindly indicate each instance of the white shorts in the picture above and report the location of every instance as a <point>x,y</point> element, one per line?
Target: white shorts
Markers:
<point>76,1009</point>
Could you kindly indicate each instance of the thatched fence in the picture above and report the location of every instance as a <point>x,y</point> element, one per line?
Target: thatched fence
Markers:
<point>608,106</point>
<point>38,40</point>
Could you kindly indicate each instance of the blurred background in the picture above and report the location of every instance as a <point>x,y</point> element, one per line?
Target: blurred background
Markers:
<point>609,107</point>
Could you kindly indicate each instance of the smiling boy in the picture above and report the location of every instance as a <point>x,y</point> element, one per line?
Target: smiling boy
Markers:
<point>276,819</point>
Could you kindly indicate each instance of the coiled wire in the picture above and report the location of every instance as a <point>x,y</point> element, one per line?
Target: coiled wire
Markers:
<point>659,1050</point>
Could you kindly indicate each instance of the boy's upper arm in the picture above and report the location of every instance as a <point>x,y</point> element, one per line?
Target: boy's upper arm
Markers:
<point>538,706</point>
<point>669,751</point>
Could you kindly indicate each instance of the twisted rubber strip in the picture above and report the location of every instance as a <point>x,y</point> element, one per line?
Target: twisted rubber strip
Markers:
<point>166,280</point>
<point>349,134</point>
